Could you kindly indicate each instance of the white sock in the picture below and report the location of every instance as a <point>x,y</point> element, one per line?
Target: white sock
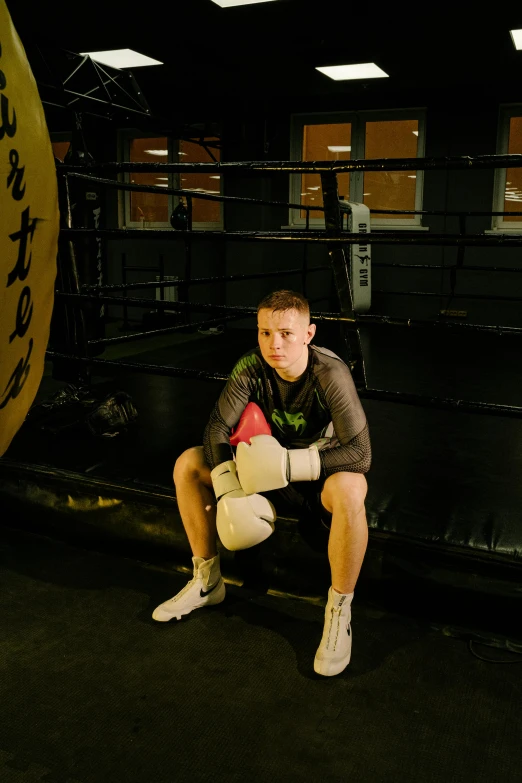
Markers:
<point>341,599</point>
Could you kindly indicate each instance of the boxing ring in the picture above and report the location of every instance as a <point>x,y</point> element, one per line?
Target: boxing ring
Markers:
<point>446,526</point>
<point>94,690</point>
<point>93,540</point>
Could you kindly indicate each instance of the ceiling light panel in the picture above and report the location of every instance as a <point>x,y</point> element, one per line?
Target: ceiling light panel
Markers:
<point>122,58</point>
<point>359,71</point>
<point>230,3</point>
<point>516,37</point>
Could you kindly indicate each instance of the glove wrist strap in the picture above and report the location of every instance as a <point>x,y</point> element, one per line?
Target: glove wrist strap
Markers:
<point>305,464</point>
<point>224,479</point>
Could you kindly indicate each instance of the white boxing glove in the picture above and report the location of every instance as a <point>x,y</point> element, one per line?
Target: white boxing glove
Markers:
<point>266,465</point>
<point>242,521</point>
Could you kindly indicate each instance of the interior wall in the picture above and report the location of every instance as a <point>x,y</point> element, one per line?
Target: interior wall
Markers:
<point>454,127</point>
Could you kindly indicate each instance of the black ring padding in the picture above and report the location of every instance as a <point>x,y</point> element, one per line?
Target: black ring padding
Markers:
<point>374,237</point>
<point>192,193</point>
<point>127,338</point>
<point>363,319</point>
<point>445,294</point>
<point>440,213</point>
<point>147,369</point>
<point>373,394</point>
<point>310,167</point>
<point>156,303</point>
<point>246,312</point>
<point>198,280</point>
<point>442,403</point>
<point>162,304</point>
<point>241,199</point>
<point>449,267</point>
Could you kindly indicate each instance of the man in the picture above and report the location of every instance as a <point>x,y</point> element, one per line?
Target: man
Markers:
<point>319,444</point>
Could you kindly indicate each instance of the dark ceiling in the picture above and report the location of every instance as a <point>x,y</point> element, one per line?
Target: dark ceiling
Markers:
<point>215,59</point>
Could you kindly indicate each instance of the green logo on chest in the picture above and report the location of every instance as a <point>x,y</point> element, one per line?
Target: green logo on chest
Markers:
<point>285,421</point>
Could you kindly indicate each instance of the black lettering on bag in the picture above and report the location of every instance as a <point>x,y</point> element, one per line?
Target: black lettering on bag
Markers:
<point>16,176</point>
<point>24,313</point>
<point>6,127</point>
<point>16,382</point>
<point>21,269</point>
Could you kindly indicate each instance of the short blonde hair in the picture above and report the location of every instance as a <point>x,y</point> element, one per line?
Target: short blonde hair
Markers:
<point>285,300</point>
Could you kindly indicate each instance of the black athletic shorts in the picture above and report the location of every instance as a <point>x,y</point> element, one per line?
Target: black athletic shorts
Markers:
<point>303,498</point>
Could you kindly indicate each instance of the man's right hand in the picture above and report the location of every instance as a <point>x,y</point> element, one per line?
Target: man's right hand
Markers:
<point>242,520</point>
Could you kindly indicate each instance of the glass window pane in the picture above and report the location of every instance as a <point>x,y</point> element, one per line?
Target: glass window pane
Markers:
<point>391,189</point>
<point>149,207</point>
<point>324,142</point>
<point>60,149</point>
<point>189,152</point>
<point>513,194</point>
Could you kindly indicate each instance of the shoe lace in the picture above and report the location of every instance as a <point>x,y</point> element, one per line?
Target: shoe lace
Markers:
<point>337,625</point>
<point>183,591</point>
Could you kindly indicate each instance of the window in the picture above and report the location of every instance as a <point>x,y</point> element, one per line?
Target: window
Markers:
<point>360,135</point>
<point>153,210</point>
<point>508,182</point>
<point>60,149</point>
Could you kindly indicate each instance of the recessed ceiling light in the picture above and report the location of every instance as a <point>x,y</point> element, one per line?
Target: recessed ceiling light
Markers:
<point>415,133</point>
<point>122,58</point>
<point>412,176</point>
<point>229,3</point>
<point>215,176</point>
<point>340,149</point>
<point>516,37</point>
<point>359,71</point>
<point>156,152</point>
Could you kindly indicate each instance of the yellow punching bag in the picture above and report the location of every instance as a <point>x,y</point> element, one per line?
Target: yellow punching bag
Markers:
<point>28,233</point>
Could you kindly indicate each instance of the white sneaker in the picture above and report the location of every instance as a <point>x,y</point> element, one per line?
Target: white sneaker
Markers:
<point>333,654</point>
<point>204,589</point>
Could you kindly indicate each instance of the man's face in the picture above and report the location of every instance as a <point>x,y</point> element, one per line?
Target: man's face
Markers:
<point>283,339</point>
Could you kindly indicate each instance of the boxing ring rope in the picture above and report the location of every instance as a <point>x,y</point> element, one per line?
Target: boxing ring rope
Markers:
<point>299,236</point>
<point>246,312</point>
<point>310,167</point>
<point>334,236</point>
<point>130,186</point>
<point>417,400</point>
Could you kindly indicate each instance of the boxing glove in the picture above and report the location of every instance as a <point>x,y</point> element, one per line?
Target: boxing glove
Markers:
<point>266,465</point>
<point>242,520</point>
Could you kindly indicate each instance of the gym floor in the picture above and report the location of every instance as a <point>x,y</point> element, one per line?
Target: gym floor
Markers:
<point>95,692</point>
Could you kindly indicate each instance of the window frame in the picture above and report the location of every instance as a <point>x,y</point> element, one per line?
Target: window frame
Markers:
<point>498,224</point>
<point>124,142</point>
<point>358,120</point>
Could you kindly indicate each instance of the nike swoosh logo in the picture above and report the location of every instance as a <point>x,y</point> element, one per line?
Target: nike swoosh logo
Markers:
<point>203,593</point>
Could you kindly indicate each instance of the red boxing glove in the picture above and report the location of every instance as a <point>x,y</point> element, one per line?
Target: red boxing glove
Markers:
<point>252,422</point>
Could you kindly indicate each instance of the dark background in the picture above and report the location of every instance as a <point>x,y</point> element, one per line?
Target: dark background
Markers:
<point>244,71</point>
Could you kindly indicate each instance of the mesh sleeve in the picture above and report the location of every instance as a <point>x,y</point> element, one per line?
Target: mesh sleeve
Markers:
<point>353,457</point>
<point>227,412</point>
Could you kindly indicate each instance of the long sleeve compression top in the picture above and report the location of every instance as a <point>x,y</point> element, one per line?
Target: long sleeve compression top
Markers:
<point>322,403</point>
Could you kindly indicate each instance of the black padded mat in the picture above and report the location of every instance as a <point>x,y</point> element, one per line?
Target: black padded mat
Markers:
<point>94,691</point>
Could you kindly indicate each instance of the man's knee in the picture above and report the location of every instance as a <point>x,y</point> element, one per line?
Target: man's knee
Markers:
<point>344,488</point>
<point>191,465</point>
